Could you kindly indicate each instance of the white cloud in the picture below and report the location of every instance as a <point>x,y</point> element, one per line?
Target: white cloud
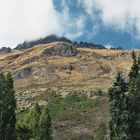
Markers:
<point>27,19</point>
<point>73,27</point>
<point>80,23</point>
<point>30,19</point>
<point>119,15</point>
<point>108,46</point>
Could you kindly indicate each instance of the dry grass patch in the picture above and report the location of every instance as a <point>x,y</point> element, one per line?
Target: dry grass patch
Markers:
<point>61,60</point>
<point>125,65</point>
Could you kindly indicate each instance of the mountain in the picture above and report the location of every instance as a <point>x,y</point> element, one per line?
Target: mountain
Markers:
<point>54,38</point>
<point>59,73</point>
<point>61,64</point>
<point>46,40</point>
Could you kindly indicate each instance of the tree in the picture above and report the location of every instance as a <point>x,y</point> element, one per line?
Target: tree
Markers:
<point>29,123</point>
<point>134,97</point>
<point>134,69</point>
<point>35,115</point>
<point>134,85</point>
<point>2,107</point>
<point>135,125</point>
<point>118,106</point>
<point>35,124</point>
<point>45,132</point>
<point>125,105</point>
<point>7,108</point>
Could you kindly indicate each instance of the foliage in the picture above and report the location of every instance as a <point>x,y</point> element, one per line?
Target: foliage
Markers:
<point>124,99</point>
<point>7,107</point>
<point>45,132</point>
<point>58,108</point>
<point>79,101</point>
<point>118,110</point>
<point>34,124</point>
<point>134,98</point>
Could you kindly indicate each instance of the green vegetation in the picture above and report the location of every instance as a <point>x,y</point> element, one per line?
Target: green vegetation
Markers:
<point>45,132</point>
<point>59,106</point>
<point>118,110</point>
<point>124,100</point>
<point>101,132</point>
<point>134,99</point>
<point>35,123</point>
<point>7,108</point>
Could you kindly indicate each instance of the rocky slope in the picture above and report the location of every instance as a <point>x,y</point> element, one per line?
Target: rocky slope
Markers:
<point>62,65</point>
<point>46,73</point>
<point>45,40</point>
<point>54,38</point>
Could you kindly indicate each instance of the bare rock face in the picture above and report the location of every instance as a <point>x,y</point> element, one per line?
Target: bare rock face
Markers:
<point>23,73</point>
<point>64,49</point>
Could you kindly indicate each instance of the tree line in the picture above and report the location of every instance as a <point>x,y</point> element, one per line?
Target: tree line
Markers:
<point>124,104</point>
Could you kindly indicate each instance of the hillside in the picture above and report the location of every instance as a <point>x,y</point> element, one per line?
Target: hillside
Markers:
<point>63,66</point>
<point>60,74</point>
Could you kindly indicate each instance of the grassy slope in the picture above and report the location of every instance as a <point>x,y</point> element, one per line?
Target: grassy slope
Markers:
<point>89,70</point>
<point>75,117</point>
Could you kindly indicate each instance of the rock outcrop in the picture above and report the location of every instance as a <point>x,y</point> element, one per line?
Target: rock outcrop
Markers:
<point>54,38</point>
<point>62,49</point>
<point>45,40</point>
<point>5,49</point>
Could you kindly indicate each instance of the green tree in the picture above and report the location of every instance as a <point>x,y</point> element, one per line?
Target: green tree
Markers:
<point>35,116</point>
<point>2,107</point>
<point>134,69</point>
<point>7,108</point>
<point>118,106</point>
<point>45,132</point>
<point>133,98</point>
<point>29,124</point>
<point>35,124</point>
<point>135,125</point>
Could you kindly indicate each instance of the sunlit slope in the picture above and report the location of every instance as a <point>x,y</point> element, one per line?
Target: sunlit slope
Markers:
<point>61,64</point>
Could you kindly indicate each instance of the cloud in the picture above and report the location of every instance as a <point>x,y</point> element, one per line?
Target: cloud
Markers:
<point>30,19</point>
<point>118,15</point>
<point>73,26</point>
<point>27,19</point>
<point>108,46</point>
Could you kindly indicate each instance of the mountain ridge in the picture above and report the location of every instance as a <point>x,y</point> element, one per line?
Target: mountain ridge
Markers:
<point>54,38</point>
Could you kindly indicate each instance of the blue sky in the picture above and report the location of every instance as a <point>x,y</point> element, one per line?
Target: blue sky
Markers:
<point>109,22</point>
<point>94,30</point>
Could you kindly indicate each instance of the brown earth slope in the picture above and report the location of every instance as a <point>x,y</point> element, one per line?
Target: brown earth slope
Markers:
<point>62,65</point>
